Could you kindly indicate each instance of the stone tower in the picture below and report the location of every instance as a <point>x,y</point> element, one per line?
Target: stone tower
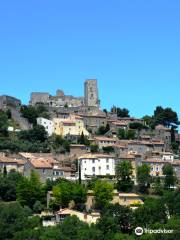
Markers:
<point>91,93</point>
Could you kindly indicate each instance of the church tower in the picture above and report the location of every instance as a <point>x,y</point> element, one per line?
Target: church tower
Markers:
<point>91,93</point>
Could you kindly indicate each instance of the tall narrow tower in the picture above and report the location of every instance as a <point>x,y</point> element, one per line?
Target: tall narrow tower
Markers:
<point>91,93</point>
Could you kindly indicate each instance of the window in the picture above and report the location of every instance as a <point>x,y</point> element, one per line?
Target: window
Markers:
<point>93,161</point>
<point>99,168</point>
<point>43,171</point>
<point>93,169</point>
<point>107,160</point>
<point>107,167</point>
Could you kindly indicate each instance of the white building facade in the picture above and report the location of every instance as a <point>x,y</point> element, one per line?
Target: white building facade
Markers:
<point>91,165</point>
<point>47,124</point>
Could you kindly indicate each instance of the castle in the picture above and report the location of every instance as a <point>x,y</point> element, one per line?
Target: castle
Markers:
<point>90,98</point>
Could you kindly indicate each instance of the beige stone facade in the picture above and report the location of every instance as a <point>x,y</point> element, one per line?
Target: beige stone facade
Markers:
<point>69,126</point>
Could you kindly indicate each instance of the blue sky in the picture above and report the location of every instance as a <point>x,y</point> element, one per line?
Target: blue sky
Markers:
<point>131,46</point>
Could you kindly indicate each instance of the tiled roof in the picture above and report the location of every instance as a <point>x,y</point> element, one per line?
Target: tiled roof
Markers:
<point>127,156</point>
<point>11,160</point>
<point>154,160</point>
<point>161,127</point>
<point>95,156</point>
<point>102,138</point>
<point>40,163</point>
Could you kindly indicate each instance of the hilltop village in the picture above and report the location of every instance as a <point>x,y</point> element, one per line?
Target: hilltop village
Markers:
<point>85,156</point>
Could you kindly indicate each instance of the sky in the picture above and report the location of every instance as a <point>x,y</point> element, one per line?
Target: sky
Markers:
<point>132,47</point>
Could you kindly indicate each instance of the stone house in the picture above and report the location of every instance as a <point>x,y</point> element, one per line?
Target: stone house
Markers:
<point>103,141</point>
<point>72,126</point>
<point>156,166</point>
<point>126,199</point>
<point>94,120</point>
<point>84,217</point>
<point>11,164</point>
<point>47,167</point>
<point>164,134</point>
<point>140,147</point>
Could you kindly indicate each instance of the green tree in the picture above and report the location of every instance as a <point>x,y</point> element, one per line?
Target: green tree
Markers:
<point>4,171</point>
<point>103,194</point>
<point>137,126</point>
<point>103,129</point>
<point>66,191</point>
<point>149,121</point>
<point>151,212</point>
<point>123,217</point>
<point>130,134</point>
<point>14,219</point>
<point>168,172</point>
<point>94,148</point>
<point>121,134</point>
<point>165,116</point>
<point>59,144</point>
<point>83,140</point>
<point>143,177</point>
<point>124,176</point>
<point>30,190</point>
<point>126,134</point>
<point>171,199</point>
<point>105,111</point>
<point>121,112</point>
<point>37,207</point>
<point>8,185</point>
<point>157,186</point>
<point>108,149</point>
<point>3,124</point>
<point>32,113</point>
<point>38,133</point>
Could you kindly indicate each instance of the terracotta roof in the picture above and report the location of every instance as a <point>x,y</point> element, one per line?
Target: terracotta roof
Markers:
<point>77,145</point>
<point>166,153</point>
<point>95,156</point>
<point>135,142</point>
<point>11,160</point>
<point>154,160</point>
<point>128,195</point>
<point>176,162</point>
<point>94,114</point>
<point>65,169</point>
<point>119,123</point>
<point>162,127</point>
<point>40,163</point>
<point>119,146</point>
<point>157,142</point>
<point>102,138</point>
<point>127,156</point>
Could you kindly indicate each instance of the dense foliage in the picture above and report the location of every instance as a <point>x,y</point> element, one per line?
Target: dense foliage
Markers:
<point>124,173</point>
<point>22,197</point>
<point>31,113</point>
<point>121,112</point>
